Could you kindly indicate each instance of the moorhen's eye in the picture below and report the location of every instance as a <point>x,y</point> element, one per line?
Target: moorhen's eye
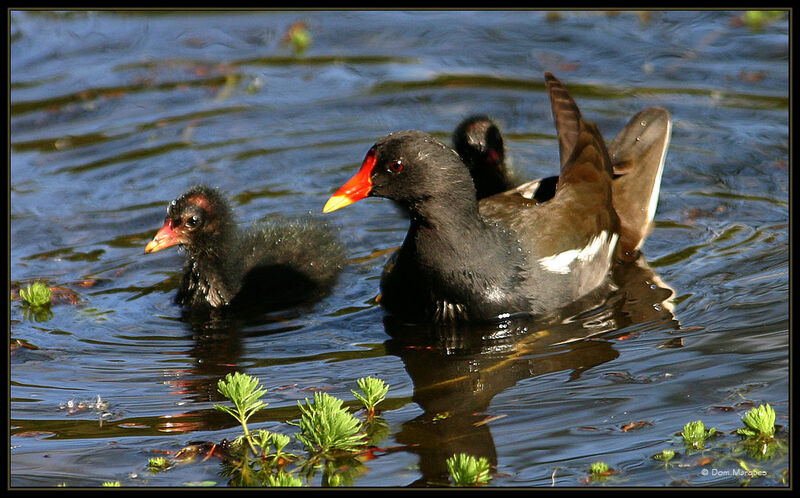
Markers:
<point>396,167</point>
<point>192,222</point>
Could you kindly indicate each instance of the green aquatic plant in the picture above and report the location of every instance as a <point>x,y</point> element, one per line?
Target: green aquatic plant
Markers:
<point>695,434</point>
<point>284,480</point>
<point>342,471</point>
<point>325,426</point>
<point>261,438</point>
<point>750,472</point>
<point>36,299</point>
<point>200,484</point>
<point>757,19</point>
<point>36,295</point>
<point>762,448</point>
<point>665,456</point>
<point>760,442</point>
<point>466,470</point>
<point>245,394</point>
<point>298,37</point>
<point>333,437</point>
<point>760,422</point>
<point>377,430</point>
<point>280,441</point>
<point>599,468</point>
<point>40,314</point>
<point>374,392</point>
<point>265,440</point>
<point>599,471</point>
<point>157,464</point>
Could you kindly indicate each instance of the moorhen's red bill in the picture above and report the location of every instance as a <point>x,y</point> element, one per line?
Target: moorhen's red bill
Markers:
<point>469,260</point>
<point>272,264</point>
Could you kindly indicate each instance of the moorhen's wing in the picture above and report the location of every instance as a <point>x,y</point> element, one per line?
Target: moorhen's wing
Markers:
<point>637,155</point>
<point>573,233</point>
<point>582,149</point>
<point>580,162</point>
<point>567,117</point>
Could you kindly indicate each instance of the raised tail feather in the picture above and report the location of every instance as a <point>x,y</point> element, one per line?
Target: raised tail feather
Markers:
<point>581,146</point>
<point>638,154</point>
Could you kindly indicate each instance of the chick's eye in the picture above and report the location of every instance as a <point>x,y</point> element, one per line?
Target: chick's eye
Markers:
<point>191,222</point>
<point>396,167</point>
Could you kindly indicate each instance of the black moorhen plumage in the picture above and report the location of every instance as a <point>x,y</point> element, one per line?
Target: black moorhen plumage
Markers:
<point>479,142</point>
<point>469,260</point>
<point>271,264</point>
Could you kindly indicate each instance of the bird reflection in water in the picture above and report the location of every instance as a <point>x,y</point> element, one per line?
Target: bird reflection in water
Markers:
<point>473,363</point>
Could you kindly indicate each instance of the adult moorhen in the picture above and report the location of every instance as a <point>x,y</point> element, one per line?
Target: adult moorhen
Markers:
<point>637,156</point>
<point>469,260</point>
<point>272,264</point>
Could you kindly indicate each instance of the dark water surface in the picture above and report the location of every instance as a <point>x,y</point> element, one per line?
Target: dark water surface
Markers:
<point>115,114</point>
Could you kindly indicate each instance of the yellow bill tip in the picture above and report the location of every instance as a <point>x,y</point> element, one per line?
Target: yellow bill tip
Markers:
<point>153,246</point>
<point>336,202</point>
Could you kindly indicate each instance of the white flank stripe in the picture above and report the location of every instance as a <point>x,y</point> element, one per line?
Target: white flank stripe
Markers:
<point>560,263</point>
